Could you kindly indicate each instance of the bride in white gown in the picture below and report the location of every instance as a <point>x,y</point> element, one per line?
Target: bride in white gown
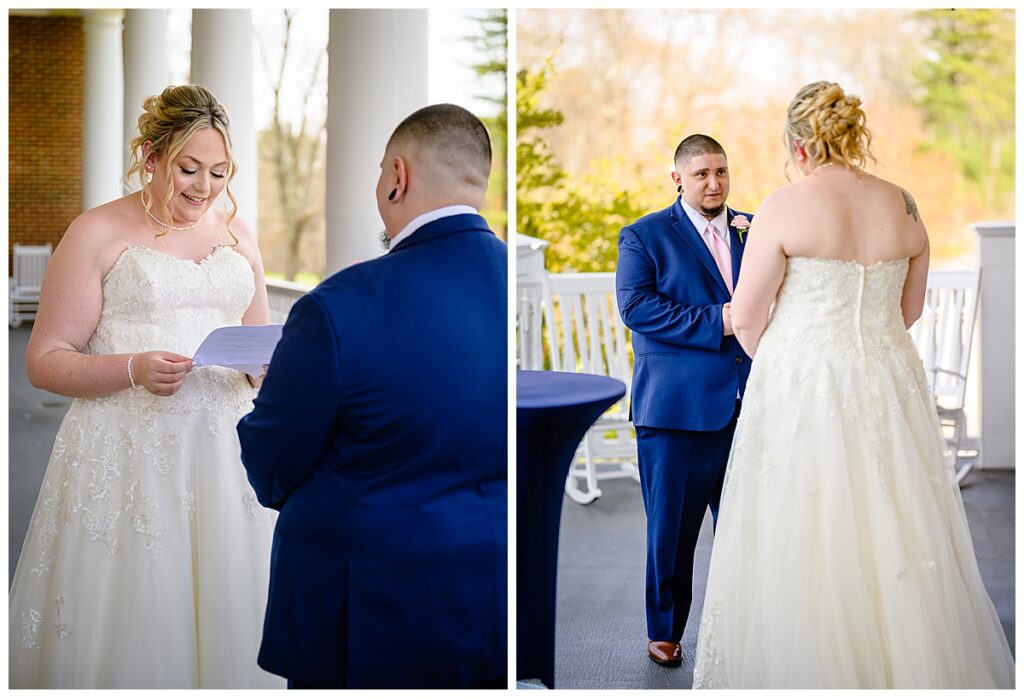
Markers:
<point>147,558</point>
<point>842,557</point>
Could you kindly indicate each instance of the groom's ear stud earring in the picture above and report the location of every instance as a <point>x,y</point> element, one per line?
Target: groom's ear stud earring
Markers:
<point>679,189</point>
<point>391,196</point>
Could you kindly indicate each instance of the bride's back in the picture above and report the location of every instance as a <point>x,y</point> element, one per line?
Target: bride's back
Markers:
<point>836,212</point>
<point>839,213</point>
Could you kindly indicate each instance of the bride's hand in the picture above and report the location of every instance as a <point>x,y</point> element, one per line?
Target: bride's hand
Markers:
<point>257,381</point>
<point>160,372</point>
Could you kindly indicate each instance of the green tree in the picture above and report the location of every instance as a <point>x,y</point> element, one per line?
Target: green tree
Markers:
<point>967,80</point>
<point>539,178</point>
<point>491,43</point>
<point>581,217</point>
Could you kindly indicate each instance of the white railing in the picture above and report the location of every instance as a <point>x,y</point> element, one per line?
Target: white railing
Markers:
<point>570,322</point>
<point>281,295</point>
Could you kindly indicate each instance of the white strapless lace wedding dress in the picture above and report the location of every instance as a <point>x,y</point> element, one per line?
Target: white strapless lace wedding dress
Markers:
<point>147,559</point>
<point>842,557</point>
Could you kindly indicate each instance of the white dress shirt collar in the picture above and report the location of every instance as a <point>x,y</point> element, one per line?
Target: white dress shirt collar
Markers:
<point>429,217</point>
<point>721,222</point>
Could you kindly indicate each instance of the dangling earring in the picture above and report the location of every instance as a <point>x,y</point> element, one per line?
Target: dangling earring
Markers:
<point>679,189</point>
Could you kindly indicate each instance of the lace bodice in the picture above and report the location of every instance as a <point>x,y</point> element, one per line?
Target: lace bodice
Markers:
<point>153,301</point>
<point>832,303</point>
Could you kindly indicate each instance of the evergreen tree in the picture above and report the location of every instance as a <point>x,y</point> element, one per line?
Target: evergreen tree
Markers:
<point>967,79</point>
<point>491,43</point>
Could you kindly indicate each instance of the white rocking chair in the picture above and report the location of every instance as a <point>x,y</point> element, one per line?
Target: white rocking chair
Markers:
<point>585,334</point>
<point>29,265</point>
<point>943,336</point>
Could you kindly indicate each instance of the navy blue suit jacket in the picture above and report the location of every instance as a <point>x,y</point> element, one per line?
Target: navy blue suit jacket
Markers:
<point>380,435</point>
<point>686,374</point>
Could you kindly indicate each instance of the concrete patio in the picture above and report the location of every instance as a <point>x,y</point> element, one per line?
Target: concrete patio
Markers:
<point>600,629</point>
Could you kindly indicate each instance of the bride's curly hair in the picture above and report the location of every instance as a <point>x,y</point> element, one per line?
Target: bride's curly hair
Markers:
<point>168,120</point>
<point>830,124</point>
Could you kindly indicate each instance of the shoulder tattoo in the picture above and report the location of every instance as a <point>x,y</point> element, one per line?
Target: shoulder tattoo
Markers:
<point>911,204</point>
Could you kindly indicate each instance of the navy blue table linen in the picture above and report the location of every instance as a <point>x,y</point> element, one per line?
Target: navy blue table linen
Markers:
<point>553,412</point>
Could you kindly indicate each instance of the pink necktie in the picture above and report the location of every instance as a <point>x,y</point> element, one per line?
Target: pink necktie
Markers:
<point>721,254</point>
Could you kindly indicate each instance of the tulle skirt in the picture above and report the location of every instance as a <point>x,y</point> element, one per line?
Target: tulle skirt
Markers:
<point>842,556</point>
<point>147,558</point>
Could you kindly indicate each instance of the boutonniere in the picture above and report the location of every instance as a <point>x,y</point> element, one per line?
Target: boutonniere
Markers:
<point>742,224</point>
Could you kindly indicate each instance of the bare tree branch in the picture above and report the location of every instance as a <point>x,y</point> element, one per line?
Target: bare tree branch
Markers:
<point>294,154</point>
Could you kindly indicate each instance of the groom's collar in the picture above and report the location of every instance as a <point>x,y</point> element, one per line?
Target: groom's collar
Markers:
<point>700,223</point>
<point>429,217</point>
<point>458,223</point>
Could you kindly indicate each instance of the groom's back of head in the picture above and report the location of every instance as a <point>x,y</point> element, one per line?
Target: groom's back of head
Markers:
<point>694,145</point>
<point>448,143</point>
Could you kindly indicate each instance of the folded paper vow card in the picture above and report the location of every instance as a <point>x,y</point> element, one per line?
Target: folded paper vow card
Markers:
<point>245,348</point>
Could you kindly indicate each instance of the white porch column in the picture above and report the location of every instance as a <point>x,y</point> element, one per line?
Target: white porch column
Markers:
<point>222,63</point>
<point>103,135</point>
<point>996,247</point>
<point>145,66</point>
<point>377,75</point>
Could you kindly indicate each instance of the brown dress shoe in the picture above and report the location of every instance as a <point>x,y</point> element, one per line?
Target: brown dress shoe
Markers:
<point>665,653</point>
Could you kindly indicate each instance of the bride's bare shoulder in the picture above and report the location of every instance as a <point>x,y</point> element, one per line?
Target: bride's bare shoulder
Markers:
<point>900,198</point>
<point>780,200</point>
<point>99,233</point>
<point>106,220</point>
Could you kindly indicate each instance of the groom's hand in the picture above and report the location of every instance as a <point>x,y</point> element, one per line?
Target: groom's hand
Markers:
<point>727,319</point>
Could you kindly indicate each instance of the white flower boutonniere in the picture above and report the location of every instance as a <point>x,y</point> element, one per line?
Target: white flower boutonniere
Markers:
<point>742,224</point>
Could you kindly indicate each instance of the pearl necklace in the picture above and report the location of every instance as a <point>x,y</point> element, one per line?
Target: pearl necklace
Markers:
<point>159,222</point>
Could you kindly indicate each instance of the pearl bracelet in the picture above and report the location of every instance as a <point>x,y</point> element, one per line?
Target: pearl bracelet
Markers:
<point>131,379</point>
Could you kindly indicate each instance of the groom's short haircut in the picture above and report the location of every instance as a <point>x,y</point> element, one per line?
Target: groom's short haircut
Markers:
<point>450,138</point>
<point>697,144</point>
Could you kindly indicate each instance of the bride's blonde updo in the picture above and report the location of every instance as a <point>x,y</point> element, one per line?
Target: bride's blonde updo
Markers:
<point>169,120</point>
<point>830,124</point>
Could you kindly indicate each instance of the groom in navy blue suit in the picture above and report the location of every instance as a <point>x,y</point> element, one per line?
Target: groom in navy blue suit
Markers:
<point>380,435</point>
<point>674,280</point>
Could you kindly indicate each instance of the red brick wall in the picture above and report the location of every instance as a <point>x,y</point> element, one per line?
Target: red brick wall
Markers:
<point>47,74</point>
